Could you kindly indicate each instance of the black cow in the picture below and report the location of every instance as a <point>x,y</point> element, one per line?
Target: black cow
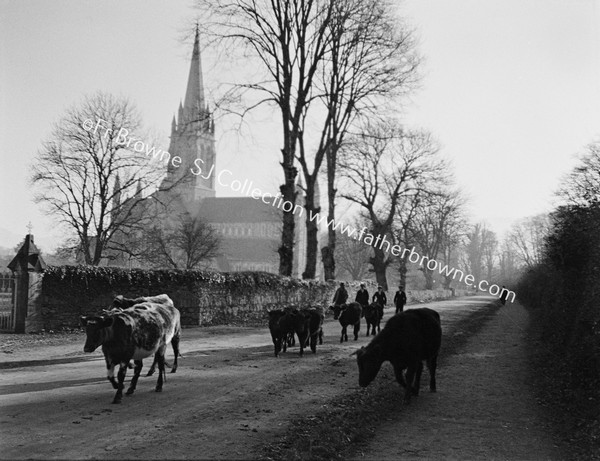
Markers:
<point>295,322</point>
<point>348,314</point>
<point>373,314</point>
<point>134,333</point>
<point>305,323</point>
<point>277,334</point>
<point>407,339</point>
<point>315,327</point>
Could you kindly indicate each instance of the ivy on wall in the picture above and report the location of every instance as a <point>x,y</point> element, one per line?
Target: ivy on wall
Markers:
<point>109,276</point>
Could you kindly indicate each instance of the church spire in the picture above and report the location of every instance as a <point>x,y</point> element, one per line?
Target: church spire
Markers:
<point>194,95</point>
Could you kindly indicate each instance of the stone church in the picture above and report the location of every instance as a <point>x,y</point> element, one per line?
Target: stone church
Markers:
<point>250,229</point>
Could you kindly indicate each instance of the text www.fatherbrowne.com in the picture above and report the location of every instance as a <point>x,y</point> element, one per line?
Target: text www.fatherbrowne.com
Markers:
<point>413,256</point>
<point>248,189</point>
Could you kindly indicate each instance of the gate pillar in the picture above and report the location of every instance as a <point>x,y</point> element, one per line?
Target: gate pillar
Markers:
<point>28,261</point>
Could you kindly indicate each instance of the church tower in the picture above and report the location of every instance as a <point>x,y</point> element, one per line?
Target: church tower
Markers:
<point>193,139</point>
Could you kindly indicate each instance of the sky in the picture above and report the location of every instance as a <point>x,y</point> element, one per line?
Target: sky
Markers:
<point>510,89</point>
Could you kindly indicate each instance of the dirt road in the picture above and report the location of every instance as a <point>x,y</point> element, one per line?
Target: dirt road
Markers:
<point>231,398</point>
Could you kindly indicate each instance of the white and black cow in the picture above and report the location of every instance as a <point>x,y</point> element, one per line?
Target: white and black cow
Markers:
<point>144,327</point>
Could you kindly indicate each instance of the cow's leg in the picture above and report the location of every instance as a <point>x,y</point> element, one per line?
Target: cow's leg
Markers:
<point>410,379</point>
<point>160,359</point>
<point>417,384</point>
<point>110,373</point>
<point>313,342</point>
<point>432,365</point>
<point>321,336</point>
<point>136,375</point>
<point>121,379</point>
<point>284,342</point>
<point>152,367</point>
<point>399,373</point>
<point>277,344</point>
<point>356,330</point>
<point>302,339</point>
<point>175,346</point>
<point>344,334</point>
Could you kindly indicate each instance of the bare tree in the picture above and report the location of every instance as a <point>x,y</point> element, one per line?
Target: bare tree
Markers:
<point>189,244</point>
<point>582,186</point>
<point>527,238</point>
<point>472,257</point>
<point>322,62</point>
<point>93,171</point>
<point>489,249</point>
<point>381,167</point>
<point>407,210</point>
<point>288,38</point>
<point>453,235</point>
<point>508,262</point>
<point>480,248</point>
<point>433,223</point>
<point>352,254</point>
<point>370,62</point>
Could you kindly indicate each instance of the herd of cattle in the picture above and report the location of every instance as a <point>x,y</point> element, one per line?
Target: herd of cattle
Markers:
<point>135,329</point>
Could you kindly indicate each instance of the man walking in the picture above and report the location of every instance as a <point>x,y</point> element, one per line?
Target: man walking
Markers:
<point>341,295</point>
<point>400,299</point>
<point>362,296</point>
<point>379,297</point>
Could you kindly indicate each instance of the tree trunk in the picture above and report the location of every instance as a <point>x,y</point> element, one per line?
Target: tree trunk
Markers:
<point>447,281</point>
<point>379,267</point>
<point>403,270</point>
<point>328,252</point>
<point>286,250</point>
<point>312,243</point>
<point>428,273</point>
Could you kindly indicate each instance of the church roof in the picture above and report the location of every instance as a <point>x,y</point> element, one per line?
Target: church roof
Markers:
<point>238,210</point>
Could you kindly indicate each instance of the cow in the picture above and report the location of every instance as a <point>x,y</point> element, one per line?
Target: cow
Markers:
<point>277,334</point>
<point>295,322</point>
<point>373,314</point>
<point>348,314</point>
<point>315,327</point>
<point>120,303</point>
<point>134,333</point>
<point>305,323</point>
<point>406,340</point>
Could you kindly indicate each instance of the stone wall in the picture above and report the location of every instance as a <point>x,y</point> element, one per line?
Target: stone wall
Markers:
<point>60,295</point>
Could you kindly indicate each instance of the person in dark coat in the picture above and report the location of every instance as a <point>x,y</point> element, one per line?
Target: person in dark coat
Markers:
<point>379,297</point>
<point>340,296</point>
<point>362,296</point>
<point>400,299</point>
<point>503,295</point>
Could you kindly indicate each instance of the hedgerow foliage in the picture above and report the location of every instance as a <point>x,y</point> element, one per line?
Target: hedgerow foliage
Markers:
<point>109,276</point>
<point>563,292</point>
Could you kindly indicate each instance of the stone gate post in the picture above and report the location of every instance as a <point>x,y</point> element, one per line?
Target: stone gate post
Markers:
<point>28,267</point>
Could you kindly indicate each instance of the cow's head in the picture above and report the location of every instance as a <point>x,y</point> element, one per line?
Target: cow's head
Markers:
<point>337,310</point>
<point>369,360</point>
<point>96,331</point>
